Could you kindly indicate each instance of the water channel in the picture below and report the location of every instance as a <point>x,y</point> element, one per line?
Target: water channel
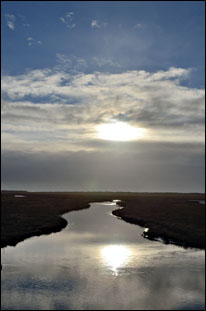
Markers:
<point>99,262</point>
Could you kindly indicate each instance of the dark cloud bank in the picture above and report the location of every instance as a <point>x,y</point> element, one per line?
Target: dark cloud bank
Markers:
<point>116,167</point>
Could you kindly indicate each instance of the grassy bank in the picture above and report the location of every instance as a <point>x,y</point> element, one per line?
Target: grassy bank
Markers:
<point>169,215</point>
<point>174,219</point>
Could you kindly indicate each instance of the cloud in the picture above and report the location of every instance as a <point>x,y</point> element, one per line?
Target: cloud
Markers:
<point>97,24</point>
<point>31,41</point>
<point>71,62</point>
<point>49,124</point>
<point>151,168</point>
<point>103,61</point>
<point>64,62</point>
<point>23,20</point>
<point>10,20</point>
<point>138,26</point>
<point>47,108</point>
<point>68,20</point>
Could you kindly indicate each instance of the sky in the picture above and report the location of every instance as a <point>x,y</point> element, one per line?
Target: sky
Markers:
<point>103,96</point>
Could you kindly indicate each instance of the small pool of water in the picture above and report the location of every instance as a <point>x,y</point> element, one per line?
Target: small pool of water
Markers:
<point>101,262</point>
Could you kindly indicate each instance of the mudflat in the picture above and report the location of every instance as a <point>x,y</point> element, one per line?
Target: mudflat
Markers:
<point>175,217</point>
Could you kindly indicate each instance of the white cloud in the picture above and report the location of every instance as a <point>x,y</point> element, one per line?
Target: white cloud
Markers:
<point>33,41</point>
<point>73,104</point>
<point>103,61</point>
<point>72,26</point>
<point>68,20</point>
<point>63,62</point>
<point>10,25</point>
<point>30,41</point>
<point>10,20</point>
<point>71,62</point>
<point>70,15</point>
<point>49,121</point>
<point>138,26</point>
<point>97,24</point>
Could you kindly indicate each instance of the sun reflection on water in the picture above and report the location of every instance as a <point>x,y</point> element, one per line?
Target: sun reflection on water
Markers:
<point>115,256</point>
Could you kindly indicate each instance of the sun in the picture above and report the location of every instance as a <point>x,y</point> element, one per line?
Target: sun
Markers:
<point>119,131</point>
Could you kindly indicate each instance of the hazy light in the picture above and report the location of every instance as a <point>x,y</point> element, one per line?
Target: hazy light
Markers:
<point>119,131</point>
<point>115,256</point>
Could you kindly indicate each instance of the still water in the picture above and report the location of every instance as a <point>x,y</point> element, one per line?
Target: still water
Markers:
<point>101,262</point>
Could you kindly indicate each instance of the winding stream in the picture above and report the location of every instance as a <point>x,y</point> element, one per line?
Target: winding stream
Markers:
<point>101,262</point>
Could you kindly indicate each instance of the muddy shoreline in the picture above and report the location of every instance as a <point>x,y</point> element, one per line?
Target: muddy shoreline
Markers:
<point>170,216</point>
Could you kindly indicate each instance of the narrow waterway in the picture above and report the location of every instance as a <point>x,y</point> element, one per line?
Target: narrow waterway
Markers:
<point>101,262</point>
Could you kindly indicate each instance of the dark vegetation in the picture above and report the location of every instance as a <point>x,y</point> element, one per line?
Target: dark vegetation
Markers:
<point>174,218</point>
<point>171,216</point>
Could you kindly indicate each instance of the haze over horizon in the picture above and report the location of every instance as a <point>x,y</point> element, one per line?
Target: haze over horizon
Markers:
<point>103,96</point>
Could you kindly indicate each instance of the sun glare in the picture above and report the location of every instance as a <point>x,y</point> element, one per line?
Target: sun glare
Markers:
<point>119,131</point>
<point>115,256</point>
